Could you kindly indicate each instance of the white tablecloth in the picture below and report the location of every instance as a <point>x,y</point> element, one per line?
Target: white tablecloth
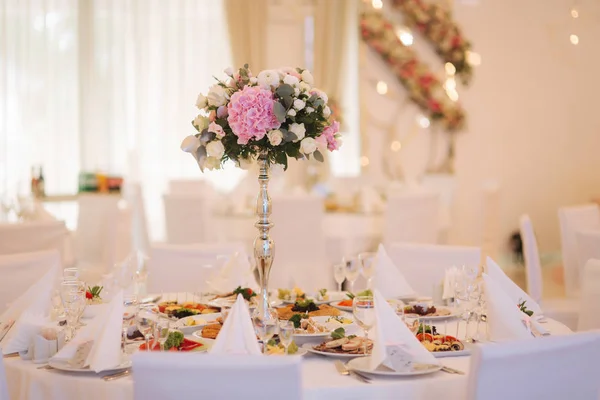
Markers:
<point>320,382</point>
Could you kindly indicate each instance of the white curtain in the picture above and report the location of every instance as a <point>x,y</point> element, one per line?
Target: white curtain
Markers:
<point>106,85</point>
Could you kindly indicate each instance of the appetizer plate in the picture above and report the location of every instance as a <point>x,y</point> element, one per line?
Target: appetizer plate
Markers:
<point>362,365</point>
<point>309,347</point>
<point>343,308</point>
<point>425,318</point>
<point>444,354</point>
<point>64,365</point>
<point>330,326</point>
<point>200,319</point>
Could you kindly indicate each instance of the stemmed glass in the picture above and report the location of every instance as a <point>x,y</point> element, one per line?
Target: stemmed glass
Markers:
<point>265,324</point>
<point>145,320</point>
<point>352,266</point>
<point>363,309</point>
<point>162,332</point>
<point>73,300</point>
<point>286,334</point>
<point>367,261</point>
<point>339,274</point>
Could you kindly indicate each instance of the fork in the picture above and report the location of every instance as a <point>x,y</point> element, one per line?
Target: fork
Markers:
<point>118,375</point>
<point>343,370</point>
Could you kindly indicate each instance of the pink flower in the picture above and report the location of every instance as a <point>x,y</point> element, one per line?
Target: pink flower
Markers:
<point>251,113</point>
<point>329,134</point>
<point>321,142</point>
<point>212,116</point>
<point>221,112</point>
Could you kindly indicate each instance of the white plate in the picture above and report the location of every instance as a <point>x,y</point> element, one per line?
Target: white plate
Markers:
<point>322,320</point>
<point>362,365</point>
<point>301,352</point>
<point>64,365</point>
<point>309,348</point>
<point>444,354</point>
<point>203,319</point>
<point>425,318</point>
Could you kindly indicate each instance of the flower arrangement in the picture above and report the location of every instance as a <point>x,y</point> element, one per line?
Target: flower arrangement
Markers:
<point>423,87</point>
<point>276,114</point>
<point>436,24</point>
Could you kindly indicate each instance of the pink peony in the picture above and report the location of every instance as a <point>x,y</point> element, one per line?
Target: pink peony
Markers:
<point>251,113</point>
<point>329,134</point>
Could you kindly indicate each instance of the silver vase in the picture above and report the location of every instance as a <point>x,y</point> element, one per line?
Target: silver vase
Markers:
<point>264,247</point>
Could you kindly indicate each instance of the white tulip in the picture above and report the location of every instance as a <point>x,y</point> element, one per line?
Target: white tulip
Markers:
<point>215,149</point>
<point>299,130</point>
<point>308,145</point>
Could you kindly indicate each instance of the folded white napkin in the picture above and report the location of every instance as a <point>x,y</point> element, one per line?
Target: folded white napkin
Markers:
<point>506,321</point>
<point>370,201</point>
<point>237,335</point>
<point>449,282</point>
<point>236,272</point>
<point>104,333</point>
<point>29,313</point>
<point>388,278</point>
<point>516,294</point>
<point>395,346</point>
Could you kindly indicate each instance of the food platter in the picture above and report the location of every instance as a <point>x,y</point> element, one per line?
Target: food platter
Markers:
<point>310,348</point>
<point>199,321</point>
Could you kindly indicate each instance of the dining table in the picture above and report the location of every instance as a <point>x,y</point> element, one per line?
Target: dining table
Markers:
<point>320,379</point>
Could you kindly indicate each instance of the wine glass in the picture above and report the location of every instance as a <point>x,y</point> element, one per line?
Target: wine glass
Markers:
<point>367,261</point>
<point>339,274</point>
<point>265,324</point>
<point>70,274</point>
<point>162,332</point>
<point>145,320</point>
<point>352,266</point>
<point>363,309</point>
<point>72,298</point>
<point>286,334</point>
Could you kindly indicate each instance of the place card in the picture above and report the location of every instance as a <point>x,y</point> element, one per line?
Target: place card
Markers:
<point>397,358</point>
<point>81,354</point>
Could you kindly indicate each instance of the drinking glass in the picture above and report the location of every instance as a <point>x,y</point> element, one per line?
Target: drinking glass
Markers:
<point>70,274</point>
<point>352,266</point>
<point>265,324</point>
<point>367,261</point>
<point>72,297</point>
<point>162,332</point>
<point>339,274</point>
<point>363,309</point>
<point>145,320</point>
<point>286,334</point>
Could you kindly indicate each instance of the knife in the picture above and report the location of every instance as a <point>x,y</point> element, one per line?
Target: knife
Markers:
<point>118,375</point>
<point>343,370</point>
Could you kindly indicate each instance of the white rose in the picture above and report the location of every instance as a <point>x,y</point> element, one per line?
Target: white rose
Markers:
<point>291,80</point>
<point>309,110</point>
<point>215,149</point>
<point>308,145</point>
<point>217,96</point>
<point>304,87</point>
<point>268,79</point>
<point>275,137</point>
<point>228,71</point>
<point>201,101</point>
<point>291,112</point>
<point>200,122</point>
<point>326,112</point>
<point>307,77</point>
<point>299,104</point>
<point>296,91</point>
<point>299,130</point>
<point>190,144</point>
<point>253,80</point>
<point>212,163</point>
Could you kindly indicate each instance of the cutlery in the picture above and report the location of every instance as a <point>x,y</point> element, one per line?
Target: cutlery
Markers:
<point>47,366</point>
<point>5,328</point>
<point>11,355</point>
<point>452,370</point>
<point>343,370</point>
<point>118,375</point>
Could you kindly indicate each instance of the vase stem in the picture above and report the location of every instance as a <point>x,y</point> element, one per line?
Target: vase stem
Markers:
<point>264,248</point>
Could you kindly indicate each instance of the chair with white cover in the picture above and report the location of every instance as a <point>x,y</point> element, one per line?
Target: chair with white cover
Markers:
<point>35,236</point>
<point>564,310</point>
<point>556,367</point>
<point>185,268</point>
<point>424,266</point>
<point>588,247</point>
<point>18,272</point>
<point>589,305</point>
<point>132,192</point>
<point>186,218</point>
<point>3,382</point>
<point>173,376</point>
<point>300,257</point>
<point>491,238</point>
<point>573,219</point>
<point>412,217</point>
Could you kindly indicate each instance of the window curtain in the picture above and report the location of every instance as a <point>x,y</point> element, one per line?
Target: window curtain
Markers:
<point>247,26</point>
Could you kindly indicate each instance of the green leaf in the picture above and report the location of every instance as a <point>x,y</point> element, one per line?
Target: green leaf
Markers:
<point>285,90</point>
<point>287,101</point>
<point>281,158</point>
<point>338,333</point>
<point>318,102</point>
<point>293,150</point>
<point>318,156</point>
<point>279,111</point>
<point>288,136</point>
<point>246,66</point>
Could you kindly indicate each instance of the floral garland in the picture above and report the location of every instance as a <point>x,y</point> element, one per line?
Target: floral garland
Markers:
<point>422,85</point>
<point>436,24</point>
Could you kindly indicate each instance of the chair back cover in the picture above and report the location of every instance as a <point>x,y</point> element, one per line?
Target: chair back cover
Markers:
<point>133,194</point>
<point>300,257</point>
<point>35,236</point>
<point>588,247</point>
<point>589,309</point>
<point>173,376</point>
<point>556,367</point>
<point>573,219</point>
<point>186,218</point>
<point>533,267</point>
<point>3,381</point>
<point>412,217</point>
<point>186,268</point>
<point>18,272</point>
<point>491,238</point>
<point>424,266</point>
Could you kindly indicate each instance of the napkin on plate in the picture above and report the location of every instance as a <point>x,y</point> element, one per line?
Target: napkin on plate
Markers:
<point>449,281</point>
<point>236,272</point>
<point>237,335</point>
<point>103,336</point>
<point>506,321</point>
<point>29,313</point>
<point>516,294</point>
<point>395,346</point>
<point>388,278</point>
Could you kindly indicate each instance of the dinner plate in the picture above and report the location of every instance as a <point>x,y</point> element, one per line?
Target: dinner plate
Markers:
<point>64,365</point>
<point>343,308</point>
<point>309,347</point>
<point>362,365</point>
<point>444,354</point>
<point>201,320</point>
<point>425,318</point>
